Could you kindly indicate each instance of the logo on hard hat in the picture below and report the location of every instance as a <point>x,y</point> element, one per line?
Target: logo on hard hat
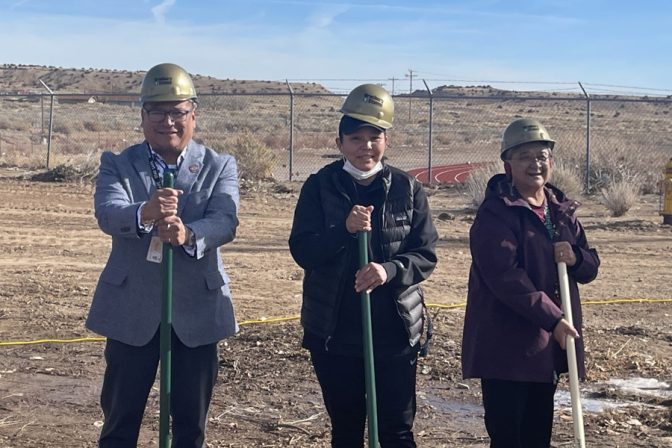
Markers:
<point>163,81</point>
<point>530,128</point>
<point>373,100</point>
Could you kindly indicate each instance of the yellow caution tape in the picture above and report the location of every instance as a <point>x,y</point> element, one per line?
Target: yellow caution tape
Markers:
<point>271,320</point>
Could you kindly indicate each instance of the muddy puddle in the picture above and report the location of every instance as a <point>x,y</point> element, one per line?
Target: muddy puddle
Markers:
<point>595,398</point>
<point>619,393</point>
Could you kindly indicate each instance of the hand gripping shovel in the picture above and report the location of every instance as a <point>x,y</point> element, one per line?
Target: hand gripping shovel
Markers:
<point>369,369</point>
<point>577,412</point>
<point>166,330</point>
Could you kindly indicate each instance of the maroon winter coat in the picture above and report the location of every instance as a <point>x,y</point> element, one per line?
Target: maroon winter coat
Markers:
<point>513,303</point>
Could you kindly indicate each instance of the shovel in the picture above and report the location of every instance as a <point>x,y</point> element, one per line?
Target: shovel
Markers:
<point>577,412</point>
<point>166,330</point>
<point>369,369</point>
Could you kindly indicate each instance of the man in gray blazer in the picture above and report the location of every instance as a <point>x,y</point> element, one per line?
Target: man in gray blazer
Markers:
<point>197,217</point>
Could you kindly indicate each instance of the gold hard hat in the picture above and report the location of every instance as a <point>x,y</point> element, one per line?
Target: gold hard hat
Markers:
<point>524,130</point>
<point>370,103</point>
<point>167,82</point>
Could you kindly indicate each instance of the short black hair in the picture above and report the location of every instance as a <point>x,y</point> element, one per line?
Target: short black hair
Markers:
<point>349,125</point>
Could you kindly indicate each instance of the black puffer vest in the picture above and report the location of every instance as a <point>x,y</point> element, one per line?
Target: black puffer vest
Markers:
<point>323,288</point>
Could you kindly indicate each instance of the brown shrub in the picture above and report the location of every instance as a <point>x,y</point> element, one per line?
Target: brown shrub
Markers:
<point>94,126</point>
<point>620,196</point>
<point>567,178</point>
<point>255,160</point>
<point>477,182</point>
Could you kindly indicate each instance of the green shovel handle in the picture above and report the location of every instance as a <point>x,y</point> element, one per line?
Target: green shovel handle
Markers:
<point>367,333</point>
<point>166,331</point>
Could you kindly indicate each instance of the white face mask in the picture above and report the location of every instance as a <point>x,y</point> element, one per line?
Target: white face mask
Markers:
<point>359,174</point>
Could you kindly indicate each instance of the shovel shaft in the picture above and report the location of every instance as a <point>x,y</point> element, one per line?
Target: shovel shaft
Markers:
<point>367,334</point>
<point>166,331</point>
<point>575,393</point>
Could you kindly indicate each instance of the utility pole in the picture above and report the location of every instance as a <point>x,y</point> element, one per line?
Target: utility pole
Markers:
<point>392,79</point>
<point>409,75</point>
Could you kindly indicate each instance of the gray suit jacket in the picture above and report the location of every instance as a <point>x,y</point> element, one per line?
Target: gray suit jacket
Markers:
<point>127,302</point>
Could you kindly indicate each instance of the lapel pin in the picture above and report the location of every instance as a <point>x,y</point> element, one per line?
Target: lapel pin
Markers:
<point>194,168</point>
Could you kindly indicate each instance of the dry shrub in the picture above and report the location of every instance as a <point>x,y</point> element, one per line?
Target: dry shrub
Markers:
<point>67,128</point>
<point>567,178</point>
<point>607,167</point>
<point>93,126</point>
<point>21,152</point>
<point>278,139</point>
<point>477,183</point>
<point>620,196</point>
<point>620,175</point>
<point>255,160</point>
<point>235,103</point>
<point>23,159</point>
<point>315,140</point>
<point>15,123</point>
<point>79,168</point>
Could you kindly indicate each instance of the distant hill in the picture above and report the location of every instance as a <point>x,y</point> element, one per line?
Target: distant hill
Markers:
<point>17,78</point>
<point>25,79</point>
<point>490,92</point>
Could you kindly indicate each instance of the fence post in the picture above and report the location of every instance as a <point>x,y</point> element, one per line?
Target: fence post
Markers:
<point>51,121</point>
<point>587,174</point>
<point>42,121</point>
<point>431,126</point>
<point>291,129</point>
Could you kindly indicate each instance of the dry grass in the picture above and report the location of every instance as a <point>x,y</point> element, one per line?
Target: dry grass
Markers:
<point>567,178</point>
<point>619,161</point>
<point>465,130</point>
<point>620,196</point>
<point>477,182</point>
<point>255,160</point>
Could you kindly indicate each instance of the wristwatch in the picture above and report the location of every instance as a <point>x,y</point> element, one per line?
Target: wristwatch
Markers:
<point>191,238</point>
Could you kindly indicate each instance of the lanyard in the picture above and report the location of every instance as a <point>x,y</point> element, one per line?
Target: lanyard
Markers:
<point>158,166</point>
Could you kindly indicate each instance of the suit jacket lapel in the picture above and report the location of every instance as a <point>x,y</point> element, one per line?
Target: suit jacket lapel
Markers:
<point>140,160</point>
<point>189,170</point>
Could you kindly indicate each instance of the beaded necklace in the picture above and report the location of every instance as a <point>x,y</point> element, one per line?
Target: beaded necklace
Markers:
<point>548,223</point>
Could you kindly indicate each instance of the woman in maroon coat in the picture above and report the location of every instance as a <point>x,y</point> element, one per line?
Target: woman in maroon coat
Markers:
<point>514,330</point>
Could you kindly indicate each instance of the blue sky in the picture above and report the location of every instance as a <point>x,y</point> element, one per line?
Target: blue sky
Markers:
<point>603,44</point>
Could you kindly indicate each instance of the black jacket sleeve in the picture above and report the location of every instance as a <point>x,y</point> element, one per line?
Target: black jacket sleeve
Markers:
<point>312,241</point>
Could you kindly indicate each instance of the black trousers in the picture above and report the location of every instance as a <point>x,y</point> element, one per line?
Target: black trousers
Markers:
<point>129,376</point>
<point>344,392</point>
<point>518,414</point>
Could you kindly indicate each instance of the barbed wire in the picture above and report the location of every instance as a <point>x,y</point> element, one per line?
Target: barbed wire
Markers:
<point>596,88</point>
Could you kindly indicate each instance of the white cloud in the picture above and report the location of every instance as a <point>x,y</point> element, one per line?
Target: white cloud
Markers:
<point>325,15</point>
<point>159,11</point>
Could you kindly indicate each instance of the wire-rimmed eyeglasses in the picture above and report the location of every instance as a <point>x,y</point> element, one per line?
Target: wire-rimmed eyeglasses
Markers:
<point>176,115</point>
<point>527,159</point>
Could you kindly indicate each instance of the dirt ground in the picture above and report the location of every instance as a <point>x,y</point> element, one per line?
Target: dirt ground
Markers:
<point>52,253</point>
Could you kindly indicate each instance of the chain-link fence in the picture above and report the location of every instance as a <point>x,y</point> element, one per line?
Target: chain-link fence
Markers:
<point>429,132</point>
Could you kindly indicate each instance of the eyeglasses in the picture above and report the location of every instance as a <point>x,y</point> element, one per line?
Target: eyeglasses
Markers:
<point>176,115</point>
<point>543,159</point>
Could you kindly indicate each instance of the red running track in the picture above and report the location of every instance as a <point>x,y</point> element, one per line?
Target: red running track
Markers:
<point>445,174</point>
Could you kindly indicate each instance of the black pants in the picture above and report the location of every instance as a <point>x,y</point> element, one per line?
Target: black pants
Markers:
<point>518,414</point>
<point>129,376</point>
<point>343,389</point>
